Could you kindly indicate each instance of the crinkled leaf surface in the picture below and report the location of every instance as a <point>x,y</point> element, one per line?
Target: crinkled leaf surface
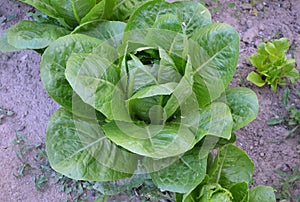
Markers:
<point>125,8</point>
<point>54,61</point>
<point>243,104</point>
<point>77,148</point>
<point>33,35</point>
<point>109,31</point>
<point>183,175</point>
<point>68,12</point>
<point>189,15</point>
<point>232,165</point>
<point>219,50</point>
<point>262,194</point>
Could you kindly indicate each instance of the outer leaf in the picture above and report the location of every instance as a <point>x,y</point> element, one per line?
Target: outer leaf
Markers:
<point>109,31</point>
<point>239,192</point>
<point>232,165</point>
<point>262,194</point>
<point>183,175</point>
<point>190,15</point>
<point>156,141</point>
<point>33,35</point>
<point>54,61</point>
<point>4,45</point>
<point>216,70</point>
<point>125,8</point>
<point>95,80</point>
<point>78,149</point>
<point>51,9</point>
<point>243,104</point>
<point>256,79</point>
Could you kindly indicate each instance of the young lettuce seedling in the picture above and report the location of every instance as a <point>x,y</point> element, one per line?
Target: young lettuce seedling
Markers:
<point>272,65</point>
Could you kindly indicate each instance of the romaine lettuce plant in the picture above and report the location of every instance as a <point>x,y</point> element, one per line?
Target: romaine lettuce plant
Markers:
<point>64,18</point>
<point>151,96</point>
<point>272,65</point>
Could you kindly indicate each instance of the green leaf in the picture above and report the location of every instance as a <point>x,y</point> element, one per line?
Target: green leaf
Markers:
<point>4,45</point>
<point>125,8</point>
<point>54,61</point>
<point>214,192</point>
<point>243,104</point>
<point>239,192</point>
<point>68,13</point>
<point>275,121</point>
<point>183,175</point>
<point>216,66</point>
<point>102,10</point>
<point>108,31</point>
<point>82,7</point>
<point>95,80</point>
<point>262,194</point>
<point>74,146</point>
<point>33,35</point>
<point>256,79</point>
<point>232,165</point>
<point>190,15</point>
<point>155,141</point>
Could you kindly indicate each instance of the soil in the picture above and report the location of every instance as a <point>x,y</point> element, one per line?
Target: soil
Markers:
<point>21,92</point>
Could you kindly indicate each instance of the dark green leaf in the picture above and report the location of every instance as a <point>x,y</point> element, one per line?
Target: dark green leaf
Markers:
<point>243,104</point>
<point>219,46</point>
<point>54,61</point>
<point>239,192</point>
<point>232,165</point>
<point>183,175</point>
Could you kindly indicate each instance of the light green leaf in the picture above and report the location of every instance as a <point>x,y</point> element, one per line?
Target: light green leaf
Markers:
<point>162,89</point>
<point>4,45</point>
<point>262,194</point>
<point>220,43</point>
<point>54,61</point>
<point>108,31</point>
<point>256,79</point>
<point>155,141</point>
<point>183,175</point>
<point>77,148</point>
<point>33,35</point>
<point>243,104</point>
<point>190,16</point>
<point>95,80</point>
<point>232,165</point>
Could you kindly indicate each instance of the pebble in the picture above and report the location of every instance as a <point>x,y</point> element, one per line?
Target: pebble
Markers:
<point>260,7</point>
<point>262,154</point>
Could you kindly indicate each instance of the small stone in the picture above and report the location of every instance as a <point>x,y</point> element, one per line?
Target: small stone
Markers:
<point>261,141</point>
<point>251,147</point>
<point>261,154</point>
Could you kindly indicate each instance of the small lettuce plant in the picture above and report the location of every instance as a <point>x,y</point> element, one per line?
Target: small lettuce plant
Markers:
<point>272,65</point>
<point>151,96</point>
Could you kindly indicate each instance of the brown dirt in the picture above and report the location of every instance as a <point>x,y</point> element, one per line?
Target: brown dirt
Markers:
<point>21,91</point>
